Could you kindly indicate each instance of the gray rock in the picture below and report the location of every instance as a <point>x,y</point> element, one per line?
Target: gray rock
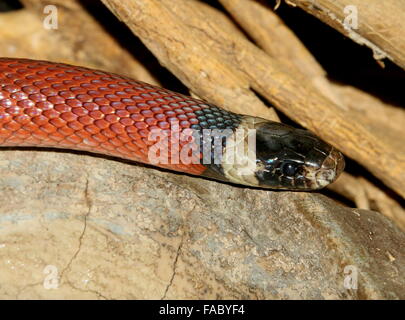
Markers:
<point>75,226</point>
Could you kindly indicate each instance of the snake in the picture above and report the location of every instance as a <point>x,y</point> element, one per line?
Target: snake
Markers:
<point>56,105</point>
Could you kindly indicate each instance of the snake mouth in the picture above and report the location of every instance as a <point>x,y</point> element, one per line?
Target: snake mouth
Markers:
<point>329,171</point>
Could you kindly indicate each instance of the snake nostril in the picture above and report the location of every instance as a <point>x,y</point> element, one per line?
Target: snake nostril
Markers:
<point>340,163</point>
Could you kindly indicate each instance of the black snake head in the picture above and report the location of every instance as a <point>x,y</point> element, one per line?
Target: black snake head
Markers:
<point>283,158</point>
<point>290,158</point>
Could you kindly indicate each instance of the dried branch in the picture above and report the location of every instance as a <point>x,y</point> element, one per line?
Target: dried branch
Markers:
<point>380,24</point>
<point>279,42</point>
<point>193,55</point>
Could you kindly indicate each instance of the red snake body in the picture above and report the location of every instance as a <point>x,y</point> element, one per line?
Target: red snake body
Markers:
<point>56,105</point>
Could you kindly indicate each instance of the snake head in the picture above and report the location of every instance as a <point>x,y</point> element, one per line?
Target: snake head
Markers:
<point>283,158</point>
<point>290,158</point>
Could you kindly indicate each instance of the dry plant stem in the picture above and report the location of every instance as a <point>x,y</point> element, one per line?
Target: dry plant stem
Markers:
<point>194,59</point>
<point>193,46</point>
<point>380,23</point>
<point>278,41</point>
<point>382,118</point>
<point>79,39</point>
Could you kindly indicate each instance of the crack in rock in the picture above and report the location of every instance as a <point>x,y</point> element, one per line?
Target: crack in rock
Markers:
<point>89,206</point>
<point>174,268</point>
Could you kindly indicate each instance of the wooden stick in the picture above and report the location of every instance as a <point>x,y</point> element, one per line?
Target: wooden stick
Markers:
<point>378,24</point>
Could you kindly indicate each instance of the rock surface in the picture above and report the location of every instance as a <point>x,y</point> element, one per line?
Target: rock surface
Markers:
<point>76,226</point>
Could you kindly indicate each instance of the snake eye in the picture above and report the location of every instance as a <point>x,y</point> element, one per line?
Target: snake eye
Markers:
<point>289,169</point>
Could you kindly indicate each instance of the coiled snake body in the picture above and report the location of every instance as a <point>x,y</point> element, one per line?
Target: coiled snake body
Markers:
<point>48,104</point>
